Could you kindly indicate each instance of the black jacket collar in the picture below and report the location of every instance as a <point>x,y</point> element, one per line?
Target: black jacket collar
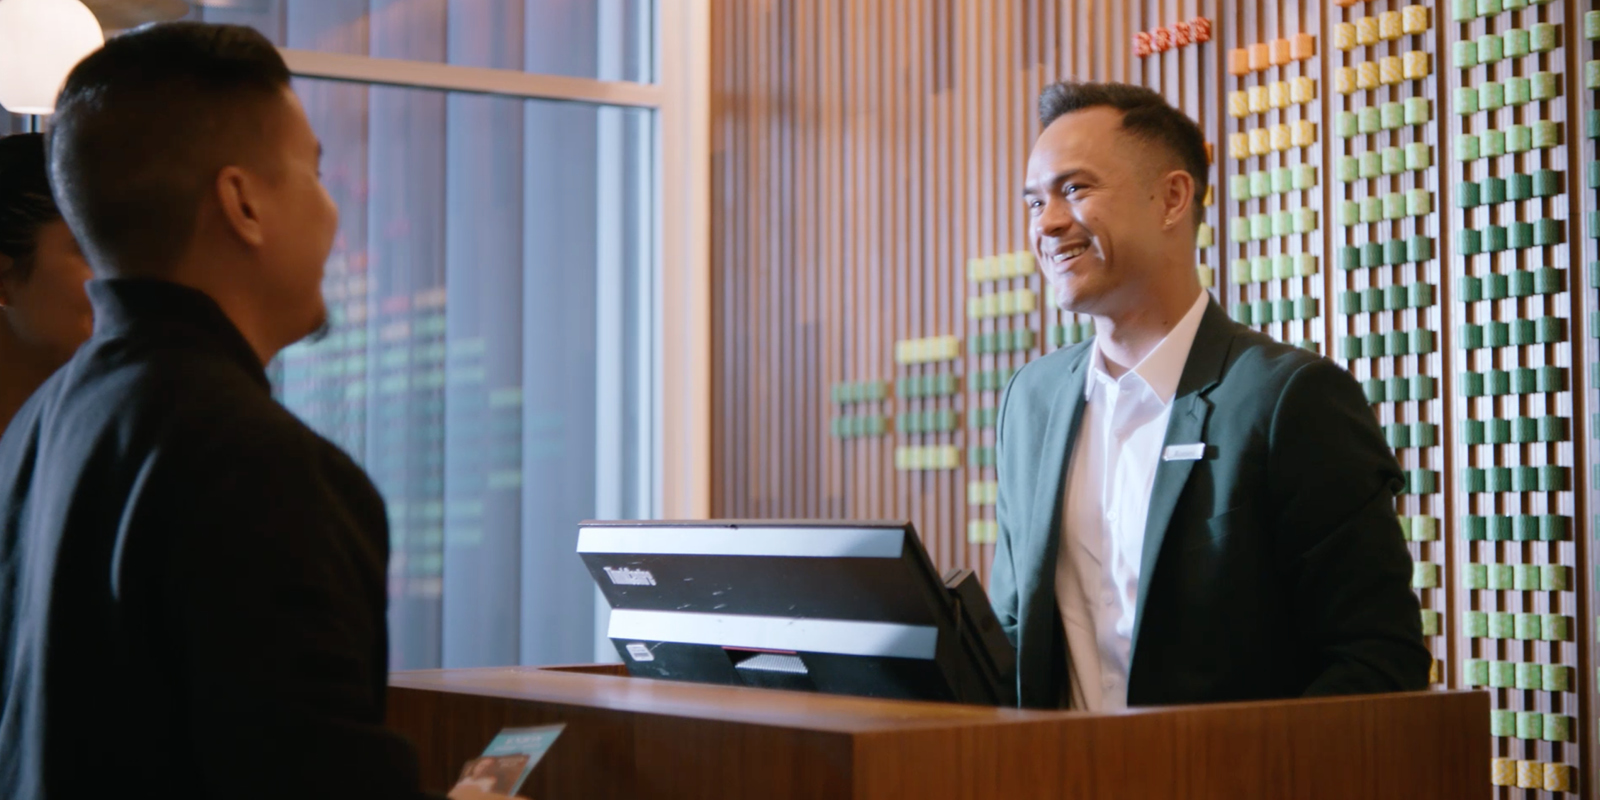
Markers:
<point>139,306</point>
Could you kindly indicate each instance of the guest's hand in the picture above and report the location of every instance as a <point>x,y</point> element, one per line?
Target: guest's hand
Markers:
<point>466,792</point>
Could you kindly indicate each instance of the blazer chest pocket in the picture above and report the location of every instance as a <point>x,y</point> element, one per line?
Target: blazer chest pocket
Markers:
<point>1225,530</point>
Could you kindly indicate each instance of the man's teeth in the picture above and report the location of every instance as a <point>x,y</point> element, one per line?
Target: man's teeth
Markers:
<point>1073,253</point>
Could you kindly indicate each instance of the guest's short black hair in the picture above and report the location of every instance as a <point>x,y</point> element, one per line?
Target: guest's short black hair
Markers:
<point>1145,114</point>
<point>25,201</point>
<point>143,126</point>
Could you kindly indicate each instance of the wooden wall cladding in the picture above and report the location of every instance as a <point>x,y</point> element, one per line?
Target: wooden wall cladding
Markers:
<point>1428,236</point>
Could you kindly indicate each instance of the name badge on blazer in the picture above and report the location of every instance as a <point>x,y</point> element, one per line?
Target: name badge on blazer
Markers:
<point>1184,452</point>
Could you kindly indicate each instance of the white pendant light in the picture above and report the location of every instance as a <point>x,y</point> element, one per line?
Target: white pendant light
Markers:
<point>40,42</point>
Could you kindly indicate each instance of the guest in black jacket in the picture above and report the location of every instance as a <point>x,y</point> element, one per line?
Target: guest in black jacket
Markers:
<point>44,314</point>
<point>192,582</point>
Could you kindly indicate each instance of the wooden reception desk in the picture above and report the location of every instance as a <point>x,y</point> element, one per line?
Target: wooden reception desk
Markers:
<point>642,739</point>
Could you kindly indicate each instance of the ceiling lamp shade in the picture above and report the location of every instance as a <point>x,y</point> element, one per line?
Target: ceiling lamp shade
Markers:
<point>40,42</point>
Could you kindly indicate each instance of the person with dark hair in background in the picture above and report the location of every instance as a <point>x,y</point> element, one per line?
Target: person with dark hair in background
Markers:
<point>192,582</point>
<point>1189,511</point>
<point>44,313</point>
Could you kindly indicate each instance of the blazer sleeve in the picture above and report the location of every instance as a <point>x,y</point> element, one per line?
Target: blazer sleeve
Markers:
<point>276,574</point>
<point>1333,480</point>
<point>1002,573</point>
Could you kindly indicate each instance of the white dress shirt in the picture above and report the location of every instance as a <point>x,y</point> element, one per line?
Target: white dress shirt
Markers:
<point>1109,480</point>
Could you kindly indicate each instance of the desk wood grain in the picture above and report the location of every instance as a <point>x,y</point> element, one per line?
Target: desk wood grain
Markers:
<point>636,738</point>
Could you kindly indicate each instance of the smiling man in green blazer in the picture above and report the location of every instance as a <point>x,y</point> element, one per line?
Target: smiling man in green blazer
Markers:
<point>1189,511</point>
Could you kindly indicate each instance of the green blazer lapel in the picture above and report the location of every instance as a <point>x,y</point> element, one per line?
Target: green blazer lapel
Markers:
<point>1060,436</point>
<point>1186,425</point>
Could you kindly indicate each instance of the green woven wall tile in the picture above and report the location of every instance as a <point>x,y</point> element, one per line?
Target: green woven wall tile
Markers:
<point>1475,624</point>
<point>1344,125</point>
<point>1501,626</point>
<point>1260,184</point>
<point>1305,220</point>
<point>1519,186</point>
<point>1282,180</point>
<point>1475,672</point>
<point>1467,195</point>
<point>1369,164</point>
<point>1394,206</point>
<point>1303,176</point>
<point>1494,190</point>
<point>1491,96</point>
<point>1502,674</point>
<point>1373,344</point>
<point>1530,678</point>
<point>1393,161</point>
<point>1556,677</point>
<point>1499,528</point>
<point>1544,86</point>
<point>1349,213</point>
<point>1464,55</point>
<point>1518,91</point>
<point>1502,722</point>
<point>1491,48</point>
<point>1493,143</point>
<point>1555,627</point>
<point>1516,42</point>
<point>1397,389</point>
<point>1557,728</point>
<point>1550,379</point>
<point>1554,527</point>
<point>1496,287</point>
<point>1521,238</point>
<point>1497,333</point>
<point>1418,111</point>
<point>1396,343</point>
<point>1549,330</point>
<point>1391,116</point>
<point>1467,100</point>
<point>1419,202</point>
<point>1369,120</point>
<point>1496,240</point>
<point>1488,8</point>
<point>1544,37</point>
<point>1499,576</point>
<point>1498,431</point>
<point>1519,139</point>
<point>1554,578</point>
<point>1418,155</point>
<point>1419,248</point>
<point>1530,724</point>
<point>1527,627</point>
<point>1350,347</point>
<point>1546,134</point>
<point>1468,147</point>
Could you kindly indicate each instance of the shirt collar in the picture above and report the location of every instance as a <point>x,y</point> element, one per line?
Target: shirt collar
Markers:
<point>1162,367</point>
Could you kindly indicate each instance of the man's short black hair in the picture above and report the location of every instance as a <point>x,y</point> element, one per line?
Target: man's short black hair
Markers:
<point>143,126</point>
<point>25,201</point>
<point>1145,114</point>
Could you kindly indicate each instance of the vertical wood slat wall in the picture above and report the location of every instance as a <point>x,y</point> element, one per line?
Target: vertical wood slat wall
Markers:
<point>865,150</point>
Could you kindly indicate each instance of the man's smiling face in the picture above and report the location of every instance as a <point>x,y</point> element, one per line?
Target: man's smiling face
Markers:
<point>1095,218</point>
